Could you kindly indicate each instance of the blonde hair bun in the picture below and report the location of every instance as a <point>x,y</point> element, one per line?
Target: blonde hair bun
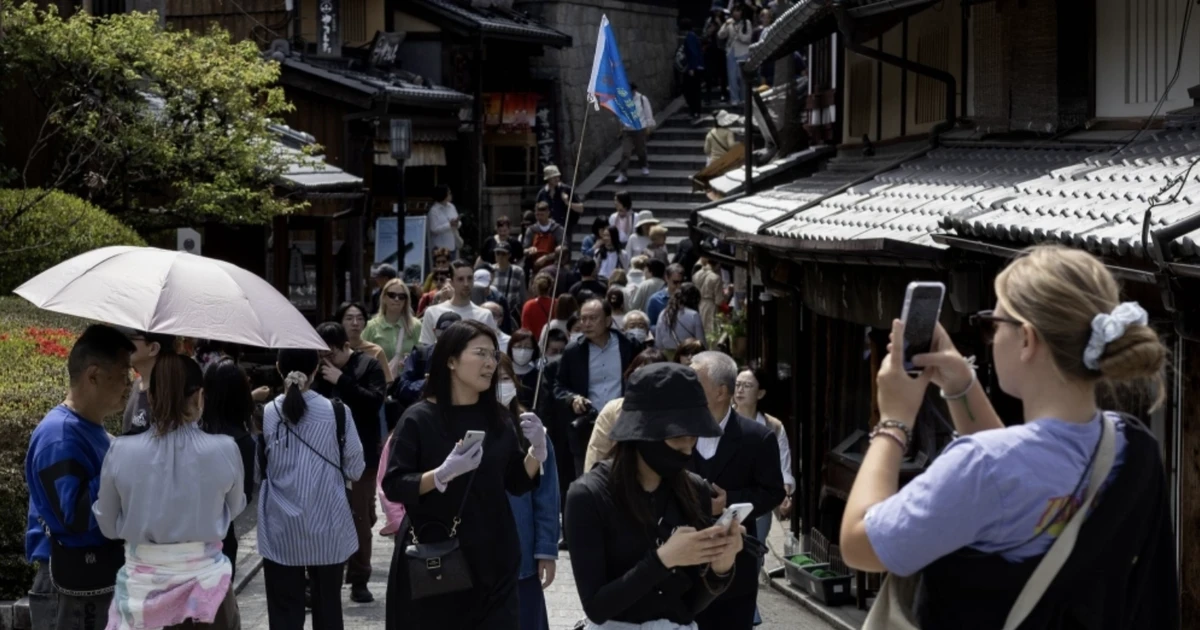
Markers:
<point>1136,355</point>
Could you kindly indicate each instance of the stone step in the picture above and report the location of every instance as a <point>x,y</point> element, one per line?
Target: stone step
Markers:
<point>676,160</point>
<point>685,147</point>
<point>646,193</point>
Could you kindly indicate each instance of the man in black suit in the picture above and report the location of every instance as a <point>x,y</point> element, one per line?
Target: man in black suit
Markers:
<point>590,372</point>
<point>743,467</point>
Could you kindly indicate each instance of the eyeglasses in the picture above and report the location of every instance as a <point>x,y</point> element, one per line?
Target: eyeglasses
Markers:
<point>485,354</point>
<point>986,322</point>
<point>396,296</point>
<point>742,385</point>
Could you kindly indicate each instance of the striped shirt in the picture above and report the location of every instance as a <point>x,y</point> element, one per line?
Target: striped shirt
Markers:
<point>303,515</point>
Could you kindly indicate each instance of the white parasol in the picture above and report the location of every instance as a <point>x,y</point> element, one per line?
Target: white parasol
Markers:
<point>170,292</point>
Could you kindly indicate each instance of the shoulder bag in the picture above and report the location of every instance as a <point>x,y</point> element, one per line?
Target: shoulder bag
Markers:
<point>893,608</point>
<point>439,568</point>
<point>84,571</point>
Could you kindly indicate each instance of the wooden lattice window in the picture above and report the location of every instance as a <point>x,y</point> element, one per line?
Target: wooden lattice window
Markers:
<point>933,50</point>
<point>354,21</point>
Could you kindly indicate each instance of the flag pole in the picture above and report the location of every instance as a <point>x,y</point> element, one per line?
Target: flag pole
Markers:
<point>558,263</point>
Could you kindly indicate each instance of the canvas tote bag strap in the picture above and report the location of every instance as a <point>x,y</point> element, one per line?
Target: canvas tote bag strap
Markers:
<point>1054,559</point>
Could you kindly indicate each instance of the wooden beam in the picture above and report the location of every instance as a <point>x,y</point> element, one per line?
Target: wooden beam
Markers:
<point>1188,364</point>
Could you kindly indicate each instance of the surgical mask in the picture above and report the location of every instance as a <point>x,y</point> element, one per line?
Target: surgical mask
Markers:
<point>576,336</point>
<point>638,334</point>
<point>506,392</point>
<point>522,356</point>
<point>663,459</point>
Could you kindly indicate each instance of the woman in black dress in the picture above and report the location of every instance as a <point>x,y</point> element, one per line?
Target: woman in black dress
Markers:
<point>429,471</point>
<point>643,548</point>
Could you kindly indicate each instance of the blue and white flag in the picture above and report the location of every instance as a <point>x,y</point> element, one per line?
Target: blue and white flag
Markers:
<point>608,87</point>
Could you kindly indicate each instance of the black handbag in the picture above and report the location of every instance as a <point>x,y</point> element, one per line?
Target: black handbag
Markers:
<point>84,571</point>
<point>439,568</point>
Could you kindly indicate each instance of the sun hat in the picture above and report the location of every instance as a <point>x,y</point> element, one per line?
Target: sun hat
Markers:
<point>725,119</point>
<point>664,401</point>
<point>645,217</point>
<point>551,171</point>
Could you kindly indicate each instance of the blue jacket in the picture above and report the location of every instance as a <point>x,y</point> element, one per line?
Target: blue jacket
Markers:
<point>691,48</point>
<point>407,387</point>
<point>536,514</point>
<point>656,305</point>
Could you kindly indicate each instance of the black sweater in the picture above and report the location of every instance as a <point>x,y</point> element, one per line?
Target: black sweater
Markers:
<point>615,561</point>
<point>1121,573</point>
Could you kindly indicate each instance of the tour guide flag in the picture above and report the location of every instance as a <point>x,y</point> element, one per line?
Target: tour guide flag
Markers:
<point>609,87</point>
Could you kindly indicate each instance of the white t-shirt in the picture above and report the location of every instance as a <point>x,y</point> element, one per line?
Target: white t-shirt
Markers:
<point>470,311</point>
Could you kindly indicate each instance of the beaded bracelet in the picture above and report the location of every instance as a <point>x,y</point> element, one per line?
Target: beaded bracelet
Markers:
<point>876,433</point>
<point>896,424</point>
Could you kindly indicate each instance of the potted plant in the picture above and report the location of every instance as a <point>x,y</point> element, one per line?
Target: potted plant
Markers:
<point>731,332</point>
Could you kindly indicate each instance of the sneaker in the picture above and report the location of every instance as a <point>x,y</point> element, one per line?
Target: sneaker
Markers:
<point>645,171</point>
<point>621,179</point>
<point>360,595</point>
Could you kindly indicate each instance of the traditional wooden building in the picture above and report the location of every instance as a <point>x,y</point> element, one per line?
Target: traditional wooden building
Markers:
<point>968,132</point>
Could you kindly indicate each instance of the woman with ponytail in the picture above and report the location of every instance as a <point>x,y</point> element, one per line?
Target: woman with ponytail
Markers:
<point>308,453</point>
<point>992,525</point>
<point>171,493</point>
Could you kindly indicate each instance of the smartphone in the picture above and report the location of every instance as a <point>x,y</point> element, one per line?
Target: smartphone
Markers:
<point>740,511</point>
<point>922,308</point>
<point>470,439</point>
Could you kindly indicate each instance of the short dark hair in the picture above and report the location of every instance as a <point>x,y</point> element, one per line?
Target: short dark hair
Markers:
<point>459,263</point>
<point>452,344</point>
<point>624,198</point>
<point>340,313</point>
<point>565,306</point>
<point>657,268</point>
<point>440,192</point>
<point>675,268</point>
<point>334,334</point>
<point>228,405</point>
<point>556,335</point>
<point>615,297</point>
<point>633,86</point>
<point>98,345</point>
<point>599,223</point>
<point>587,267</point>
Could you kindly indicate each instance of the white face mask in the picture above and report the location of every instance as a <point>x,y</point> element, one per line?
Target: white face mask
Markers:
<point>638,334</point>
<point>576,336</point>
<point>522,356</point>
<point>506,392</point>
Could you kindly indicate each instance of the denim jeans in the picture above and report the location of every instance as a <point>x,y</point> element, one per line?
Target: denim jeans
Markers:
<point>736,85</point>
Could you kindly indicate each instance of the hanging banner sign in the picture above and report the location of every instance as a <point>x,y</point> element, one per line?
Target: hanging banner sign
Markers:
<point>329,30</point>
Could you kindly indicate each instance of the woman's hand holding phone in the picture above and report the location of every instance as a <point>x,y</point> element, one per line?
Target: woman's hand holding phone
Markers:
<point>733,546</point>
<point>947,367</point>
<point>689,548</point>
<point>899,395</point>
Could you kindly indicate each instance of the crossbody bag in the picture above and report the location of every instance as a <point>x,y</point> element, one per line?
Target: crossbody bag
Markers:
<point>893,608</point>
<point>339,417</point>
<point>439,568</point>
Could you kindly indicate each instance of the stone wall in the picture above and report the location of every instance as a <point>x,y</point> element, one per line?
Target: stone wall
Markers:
<point>647,36</point>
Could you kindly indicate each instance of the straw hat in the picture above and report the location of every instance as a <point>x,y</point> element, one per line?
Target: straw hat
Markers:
<point>550,171</point>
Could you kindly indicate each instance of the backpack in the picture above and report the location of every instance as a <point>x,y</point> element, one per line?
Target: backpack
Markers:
<point>681,58</point>
<point>339,416</point>
<point>543,242</point>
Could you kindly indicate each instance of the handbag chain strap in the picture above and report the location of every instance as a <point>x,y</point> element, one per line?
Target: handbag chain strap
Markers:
<point>457,520</point>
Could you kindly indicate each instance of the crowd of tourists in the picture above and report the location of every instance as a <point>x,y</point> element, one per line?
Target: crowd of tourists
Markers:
<point>526,403</point>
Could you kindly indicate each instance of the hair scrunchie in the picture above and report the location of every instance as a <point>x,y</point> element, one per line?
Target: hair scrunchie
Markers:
<point>299,379</point>
<point>1109,327</point>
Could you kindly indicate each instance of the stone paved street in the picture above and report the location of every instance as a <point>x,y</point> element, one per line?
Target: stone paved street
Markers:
<point>778,612</point>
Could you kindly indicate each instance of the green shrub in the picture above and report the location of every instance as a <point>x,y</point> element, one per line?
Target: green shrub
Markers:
<point>33,379</point>
<point>59,226</point>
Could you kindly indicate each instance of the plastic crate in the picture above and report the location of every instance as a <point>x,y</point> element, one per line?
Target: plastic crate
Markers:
<point>831,591</point>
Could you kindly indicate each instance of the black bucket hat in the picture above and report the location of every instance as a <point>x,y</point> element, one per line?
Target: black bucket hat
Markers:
<point>664,401</point>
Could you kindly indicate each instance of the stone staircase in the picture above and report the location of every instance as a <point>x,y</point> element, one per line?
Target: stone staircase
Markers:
<point>676,152</point>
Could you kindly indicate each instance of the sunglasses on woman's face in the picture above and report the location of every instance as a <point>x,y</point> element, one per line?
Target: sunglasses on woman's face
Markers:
<point>400,297</point>
<point>987,322</point>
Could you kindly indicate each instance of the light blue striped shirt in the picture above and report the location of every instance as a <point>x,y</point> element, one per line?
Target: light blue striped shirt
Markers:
<point>303,516</point>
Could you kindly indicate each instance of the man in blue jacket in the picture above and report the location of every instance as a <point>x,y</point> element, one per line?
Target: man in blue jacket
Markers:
<point>693,68</point>
<point>62,470</point>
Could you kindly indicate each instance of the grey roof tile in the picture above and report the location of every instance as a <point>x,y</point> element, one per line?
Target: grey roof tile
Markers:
<point>498,21</point>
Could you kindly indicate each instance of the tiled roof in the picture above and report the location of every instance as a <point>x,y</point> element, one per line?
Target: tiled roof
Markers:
<point>374,84</point>
<point>497,21</point>
<point>308,172</point>
<point>748,214</point>
<point>1086,196</point>
<point>734,179</point>
<point>1096,202</point>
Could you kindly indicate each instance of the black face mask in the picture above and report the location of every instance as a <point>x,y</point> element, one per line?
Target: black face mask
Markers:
<point>663,459</point>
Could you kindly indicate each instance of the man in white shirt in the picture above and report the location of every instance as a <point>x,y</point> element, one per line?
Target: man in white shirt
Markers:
<point>634,140</point>
<point>462,280</point>
<point>443,222</point>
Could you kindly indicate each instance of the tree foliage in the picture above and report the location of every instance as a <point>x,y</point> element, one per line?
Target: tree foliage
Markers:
<point>160,128</point>
<point>56,226</point>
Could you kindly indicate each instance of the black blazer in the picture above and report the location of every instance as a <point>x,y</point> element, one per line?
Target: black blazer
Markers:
<point>572,378</point>
<point>746,467</point>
